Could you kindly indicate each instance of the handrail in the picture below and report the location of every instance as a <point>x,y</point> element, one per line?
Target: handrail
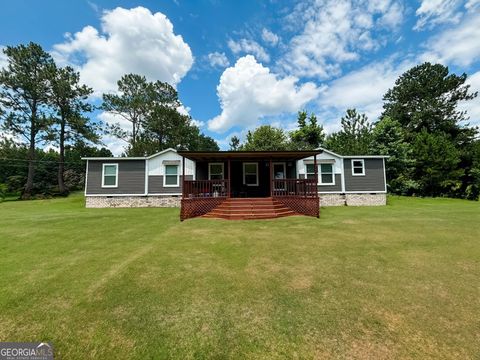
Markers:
<point>306,188</point>
<point>205,188</point>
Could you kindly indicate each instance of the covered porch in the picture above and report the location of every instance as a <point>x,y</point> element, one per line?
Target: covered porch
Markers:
<point>223,175</point>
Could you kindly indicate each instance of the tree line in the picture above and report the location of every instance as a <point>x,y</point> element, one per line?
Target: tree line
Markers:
<point>432,149</point>
<point>44,106</point>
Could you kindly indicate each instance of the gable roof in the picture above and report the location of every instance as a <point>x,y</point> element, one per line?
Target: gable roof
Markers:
<point>354,156</point>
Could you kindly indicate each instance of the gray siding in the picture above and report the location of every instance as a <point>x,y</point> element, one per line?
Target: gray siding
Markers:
<point>131,177</point>
<point>372,181</point>
<point>329,188</point>
<point>155,185</point>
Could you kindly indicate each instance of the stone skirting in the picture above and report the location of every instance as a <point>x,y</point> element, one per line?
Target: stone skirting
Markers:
<point>353,199</point>
<point>131,201</point>
<point>332,200</point>
<point>174,201</point>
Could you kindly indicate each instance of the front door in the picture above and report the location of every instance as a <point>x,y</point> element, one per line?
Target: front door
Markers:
<point>279,173</point>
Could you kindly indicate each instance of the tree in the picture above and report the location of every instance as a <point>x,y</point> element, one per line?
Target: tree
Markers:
<point>354,137</point>
<point>265,138</point>
<point>308,135</point>
<point>436,171</point>
<point>388,139</point>
<point>427,97</point>
<point>24,96</point>
<point>234,143</point>
<point>132,103</point>
<point>69,101</point>
<point>425,102</point>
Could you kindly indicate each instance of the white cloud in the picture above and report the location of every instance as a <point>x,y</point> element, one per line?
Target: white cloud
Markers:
<point>131,41</point>
<point>269,37</point>
<point>217,59</point>
<point>459,45</point>
<point>249,91</point>
<point>435,12</point>
<point>473,106</point>
<point>249,47</point>
<point>362,89</point>
<point>337,32</point>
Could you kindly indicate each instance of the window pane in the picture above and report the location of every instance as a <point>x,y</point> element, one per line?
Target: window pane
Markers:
<point>110,169</point>
<point>250,179</point>
<point>171,169</point>
<point>109,180</point>
<point>171,180</point>
<point>357,170</point>
<point>216,169</point>
<point>250,168</point>
<point>310,176</point>
<point>310,168</point>
<point>326,168</point>
<point>327,178</point>
<point>215,177</point>
<point>357,164</point>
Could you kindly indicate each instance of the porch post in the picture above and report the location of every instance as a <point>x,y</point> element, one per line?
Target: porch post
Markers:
<point>183,177</point>
<point>316,172</point>
<point>270,177</point>
<point>229,179</point>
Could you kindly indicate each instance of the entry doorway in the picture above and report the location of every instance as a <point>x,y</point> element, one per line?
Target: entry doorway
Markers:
<point>279,173</point>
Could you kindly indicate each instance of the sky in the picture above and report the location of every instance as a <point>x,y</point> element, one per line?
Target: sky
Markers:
<point>241,64</point>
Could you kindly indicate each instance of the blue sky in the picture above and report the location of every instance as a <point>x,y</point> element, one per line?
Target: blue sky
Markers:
<point>239,64</point>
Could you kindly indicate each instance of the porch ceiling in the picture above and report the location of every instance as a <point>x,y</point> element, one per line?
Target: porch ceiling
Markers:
<point>248,155</point>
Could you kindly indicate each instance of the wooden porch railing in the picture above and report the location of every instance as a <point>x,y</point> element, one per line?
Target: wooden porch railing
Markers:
<point>193,189</point>
<point>304,188</point>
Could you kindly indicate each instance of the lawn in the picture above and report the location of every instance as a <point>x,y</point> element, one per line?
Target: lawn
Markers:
<point>401,281</point>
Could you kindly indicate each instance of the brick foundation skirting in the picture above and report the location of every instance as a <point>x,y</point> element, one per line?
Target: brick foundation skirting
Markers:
<point>131,201</point>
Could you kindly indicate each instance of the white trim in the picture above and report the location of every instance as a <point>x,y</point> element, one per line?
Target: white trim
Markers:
<point>216,163</point>
<point>86,179</point>
<point>256,173</point>
<point>353,192</point>
<point>329,152</point>
<point>146,176</point>
<point>103,175</point>
<point>385,175</point>
<point>162,194</point>
<point>363,166</point>
<point>130,158</point>
<point>165,176</point>
<point>366,156</point>
<point>343,175</point>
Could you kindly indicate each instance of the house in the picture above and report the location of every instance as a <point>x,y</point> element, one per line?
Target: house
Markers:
<point>236,184</point>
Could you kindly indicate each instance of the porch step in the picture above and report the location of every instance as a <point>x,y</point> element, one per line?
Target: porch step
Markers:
<point>249,209</point>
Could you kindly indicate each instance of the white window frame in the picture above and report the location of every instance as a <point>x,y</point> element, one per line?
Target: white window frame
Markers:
<point>165,176</point>
<point>256,173</point>
<point>223,170</point>
<point>284,173</point>
<point>319,173</point>
<point>103,175</point>
<point>363,167</point>
<point>320,179</point>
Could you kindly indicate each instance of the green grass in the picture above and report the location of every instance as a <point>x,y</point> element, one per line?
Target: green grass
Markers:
<point>401,281</point>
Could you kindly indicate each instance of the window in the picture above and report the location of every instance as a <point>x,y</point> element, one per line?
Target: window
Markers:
<point>358,167</point>
<point>326,175</point>
<point>215,171</point>
<point>110,175</point>
<point>250,174</point>
<point>171,176</point>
